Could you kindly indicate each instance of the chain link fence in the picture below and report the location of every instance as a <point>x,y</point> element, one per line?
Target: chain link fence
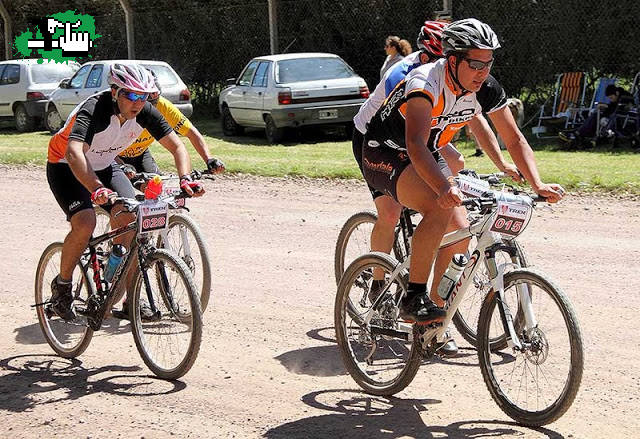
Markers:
<point>209,41</point>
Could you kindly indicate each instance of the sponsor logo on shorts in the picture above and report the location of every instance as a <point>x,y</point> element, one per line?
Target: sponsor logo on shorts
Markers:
<point>74,205</point>
<point>379,167</point>
<point>372,144</point>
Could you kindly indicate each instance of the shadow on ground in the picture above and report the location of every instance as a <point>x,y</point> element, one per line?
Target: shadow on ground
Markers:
<point>27,381</point>
<point>369,416</point>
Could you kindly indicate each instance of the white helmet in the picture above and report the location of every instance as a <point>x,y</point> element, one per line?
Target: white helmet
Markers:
<point>463,35</point>
<point>132,77</point>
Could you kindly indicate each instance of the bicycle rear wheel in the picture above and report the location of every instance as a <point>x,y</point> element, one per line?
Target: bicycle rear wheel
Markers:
<point>185,239</point>
<point>466,316</point>
<point>536,385</point>
<point>169,343</point>
<point>67,339</point>
<point>354,240</point>
<point>375,353</point>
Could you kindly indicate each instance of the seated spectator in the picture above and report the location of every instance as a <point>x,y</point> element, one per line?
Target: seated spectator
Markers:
<point>396,49</point>
<point>588,129</point>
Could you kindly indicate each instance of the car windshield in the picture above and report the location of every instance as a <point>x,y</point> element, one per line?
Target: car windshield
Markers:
<point>312,69</point>
<point>52,72</point>
<point>164,74</point>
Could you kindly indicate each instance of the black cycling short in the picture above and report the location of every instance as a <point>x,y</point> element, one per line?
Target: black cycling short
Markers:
<point>73,197</point>
<point>356,144</point>
<point>143,162</point>
<point>383,165</point>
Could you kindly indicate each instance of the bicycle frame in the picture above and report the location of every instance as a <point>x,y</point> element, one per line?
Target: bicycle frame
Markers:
<point>106,294</point>
<point>488,243</point>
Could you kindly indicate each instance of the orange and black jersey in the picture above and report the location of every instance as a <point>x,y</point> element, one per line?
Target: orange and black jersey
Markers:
<point>450,111</point>
<point>96,123</point>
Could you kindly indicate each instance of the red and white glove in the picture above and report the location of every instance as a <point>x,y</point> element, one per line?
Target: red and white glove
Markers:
<point>190,187</point>
<point>102,195</point>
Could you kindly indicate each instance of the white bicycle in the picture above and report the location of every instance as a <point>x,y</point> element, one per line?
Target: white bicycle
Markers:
<point>528,337</point>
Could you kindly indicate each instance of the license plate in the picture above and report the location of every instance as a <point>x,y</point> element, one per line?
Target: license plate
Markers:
<point>328,114</point>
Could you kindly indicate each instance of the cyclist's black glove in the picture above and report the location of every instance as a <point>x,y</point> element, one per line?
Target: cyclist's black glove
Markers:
<point>214,166</point>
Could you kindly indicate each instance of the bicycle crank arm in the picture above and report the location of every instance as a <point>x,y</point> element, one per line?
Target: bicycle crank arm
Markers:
<point>379,330</point>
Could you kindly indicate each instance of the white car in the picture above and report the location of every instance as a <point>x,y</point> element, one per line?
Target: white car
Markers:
<point>25,86</point>
<point>92,78</point>
<point>291,90</point>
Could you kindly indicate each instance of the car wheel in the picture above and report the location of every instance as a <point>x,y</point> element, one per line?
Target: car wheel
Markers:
<point>24,122</point>
<point>229,125</point>
<point>273,133</point>
<point>52,120</point>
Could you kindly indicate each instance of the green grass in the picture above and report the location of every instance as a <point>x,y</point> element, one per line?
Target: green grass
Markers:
<point>328,154</point>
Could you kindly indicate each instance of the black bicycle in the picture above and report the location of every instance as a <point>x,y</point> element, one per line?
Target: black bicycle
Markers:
<point>183,235</point>
<point>169,342</point>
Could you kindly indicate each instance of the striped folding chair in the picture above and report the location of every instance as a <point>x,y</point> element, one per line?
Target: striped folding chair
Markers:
<point>568,99</point>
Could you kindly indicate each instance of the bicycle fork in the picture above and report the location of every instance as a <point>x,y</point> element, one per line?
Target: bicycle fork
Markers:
<point>524,299</point>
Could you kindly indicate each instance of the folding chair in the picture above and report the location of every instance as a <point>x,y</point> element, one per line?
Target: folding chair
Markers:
<point>568,98</point>
<point>627,123</point>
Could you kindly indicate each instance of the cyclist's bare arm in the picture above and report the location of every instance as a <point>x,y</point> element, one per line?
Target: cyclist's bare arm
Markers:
<point>80,165</point>
<point>175,146</point>
<point>198,143</point>
<point>522,154</point>
<point>487,140</point>
<point>418,128</point>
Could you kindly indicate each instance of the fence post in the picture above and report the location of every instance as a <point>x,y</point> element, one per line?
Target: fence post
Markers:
<point>273,26</point>
<point>7,30</point>
<point>128,16</point>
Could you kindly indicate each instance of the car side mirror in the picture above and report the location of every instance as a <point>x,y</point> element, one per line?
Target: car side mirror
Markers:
<point>65,83</point>
<point>231,81</point>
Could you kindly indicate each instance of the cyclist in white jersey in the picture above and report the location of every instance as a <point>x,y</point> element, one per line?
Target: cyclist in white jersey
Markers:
<point>81,169</point>
<point>401,150</point>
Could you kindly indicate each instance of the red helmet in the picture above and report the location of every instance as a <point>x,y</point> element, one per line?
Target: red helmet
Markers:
<point>430,38</point>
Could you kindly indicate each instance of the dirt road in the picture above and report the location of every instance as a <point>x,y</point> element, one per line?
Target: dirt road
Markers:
<point>268,365</point>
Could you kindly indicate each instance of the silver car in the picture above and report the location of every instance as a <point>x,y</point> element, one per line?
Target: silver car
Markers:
<point>92,78</point>
<point>25,86</point>
<point>291,90</point>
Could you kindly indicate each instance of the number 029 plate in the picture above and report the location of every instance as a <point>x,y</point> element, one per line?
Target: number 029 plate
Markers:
<point>511,218</point>
<point>153,217</point>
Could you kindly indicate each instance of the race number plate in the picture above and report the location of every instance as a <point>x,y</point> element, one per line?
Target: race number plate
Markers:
<point>328,114</point>
<point>153,217</point>
<point>174,191</point>
<point>472,187</point>
<point>511,218</point>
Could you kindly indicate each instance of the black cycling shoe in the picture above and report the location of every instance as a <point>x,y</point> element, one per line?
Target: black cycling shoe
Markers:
<point>62,300</point>
<point>376,289</point>
<point>146,314</point>
<point>420,309</point>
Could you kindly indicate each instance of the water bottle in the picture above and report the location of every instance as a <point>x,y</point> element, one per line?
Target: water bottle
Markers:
<point>115,258</point>
<point>451,275</point>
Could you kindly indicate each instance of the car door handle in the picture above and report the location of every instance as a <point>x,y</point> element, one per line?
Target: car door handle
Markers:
<point>244,92</point>
<point>259,93</point>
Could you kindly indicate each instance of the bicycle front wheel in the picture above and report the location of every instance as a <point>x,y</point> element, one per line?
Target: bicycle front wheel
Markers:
<point>185,239</point>
<point>169,342</point>
<point>67,338</point>
<point>466,316</point>
<point>381,354</point>
<point>537,384</point>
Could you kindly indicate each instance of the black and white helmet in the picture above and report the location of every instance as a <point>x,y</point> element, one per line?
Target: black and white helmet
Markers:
<point>463,35</point>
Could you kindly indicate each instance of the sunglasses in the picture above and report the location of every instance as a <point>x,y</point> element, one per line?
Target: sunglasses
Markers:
<point>133,96</point>
<point>479,65</point>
